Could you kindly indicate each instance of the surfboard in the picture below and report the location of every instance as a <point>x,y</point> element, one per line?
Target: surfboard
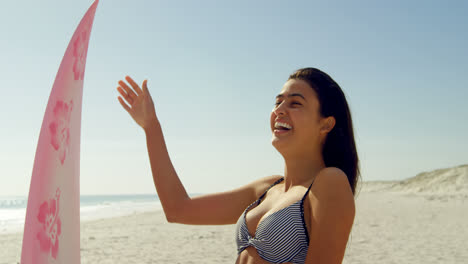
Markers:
<point>52,224</point>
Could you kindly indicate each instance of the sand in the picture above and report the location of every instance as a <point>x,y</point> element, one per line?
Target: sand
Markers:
<point>391,226</point>
<point>408,228</point>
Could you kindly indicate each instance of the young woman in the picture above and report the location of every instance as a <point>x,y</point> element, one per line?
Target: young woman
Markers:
<point>304,216</point>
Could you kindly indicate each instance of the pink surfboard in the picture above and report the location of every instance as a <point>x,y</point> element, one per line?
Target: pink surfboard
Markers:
<point>52,225</point>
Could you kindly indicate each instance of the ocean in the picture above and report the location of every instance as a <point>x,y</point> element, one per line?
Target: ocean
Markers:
<point>92,207</point>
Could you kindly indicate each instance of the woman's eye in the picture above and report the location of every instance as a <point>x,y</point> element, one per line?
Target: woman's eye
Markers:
<point>293,103</point>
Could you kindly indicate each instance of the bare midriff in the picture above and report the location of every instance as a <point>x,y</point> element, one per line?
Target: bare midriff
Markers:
<point>250,256</point>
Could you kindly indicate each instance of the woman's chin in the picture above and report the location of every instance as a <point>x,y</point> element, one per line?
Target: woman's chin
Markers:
<point>280,142</point>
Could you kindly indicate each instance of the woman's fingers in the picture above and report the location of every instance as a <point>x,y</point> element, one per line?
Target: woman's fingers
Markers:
<point>128,90</point>
<point>125,95</point>
<point>134,85</point>
<point>125,106</point>
<point>145,86</point>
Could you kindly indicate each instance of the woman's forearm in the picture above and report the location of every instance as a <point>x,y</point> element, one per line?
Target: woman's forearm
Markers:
<point>170,189</point>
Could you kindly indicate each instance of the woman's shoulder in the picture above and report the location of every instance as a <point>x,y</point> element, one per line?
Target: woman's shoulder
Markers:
<point>331,185</point>
<point>330,176</point>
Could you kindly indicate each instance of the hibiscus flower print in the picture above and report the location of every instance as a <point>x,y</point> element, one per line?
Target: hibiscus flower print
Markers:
<point>51,226</point>
<point>80,51</point>
<point>60,128</point>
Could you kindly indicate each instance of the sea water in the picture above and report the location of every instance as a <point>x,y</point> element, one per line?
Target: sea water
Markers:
<point>92,207</point>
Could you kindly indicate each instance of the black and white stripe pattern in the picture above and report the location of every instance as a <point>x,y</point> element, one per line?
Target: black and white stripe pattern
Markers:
<point>280,237</point>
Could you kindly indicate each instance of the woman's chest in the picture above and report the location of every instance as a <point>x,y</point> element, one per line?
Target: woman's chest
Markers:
<point>275,211</point>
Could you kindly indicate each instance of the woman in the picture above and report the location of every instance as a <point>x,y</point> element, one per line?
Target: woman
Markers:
<point>304,216</point>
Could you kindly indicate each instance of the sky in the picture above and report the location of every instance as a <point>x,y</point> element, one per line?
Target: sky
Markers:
<point>214,69</point>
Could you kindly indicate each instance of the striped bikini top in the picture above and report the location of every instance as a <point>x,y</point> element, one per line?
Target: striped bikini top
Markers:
<point>280,237</point>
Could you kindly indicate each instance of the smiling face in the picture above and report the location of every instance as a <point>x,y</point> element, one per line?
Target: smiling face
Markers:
<point>296,122</point>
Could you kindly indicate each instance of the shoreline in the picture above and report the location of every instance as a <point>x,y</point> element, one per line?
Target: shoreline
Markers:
<point>141,237</point>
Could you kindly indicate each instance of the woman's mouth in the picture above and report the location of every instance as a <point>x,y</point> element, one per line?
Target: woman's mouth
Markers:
<point>282,128</point>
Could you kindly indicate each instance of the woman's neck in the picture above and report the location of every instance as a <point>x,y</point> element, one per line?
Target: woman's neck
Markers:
<point>301,170</point>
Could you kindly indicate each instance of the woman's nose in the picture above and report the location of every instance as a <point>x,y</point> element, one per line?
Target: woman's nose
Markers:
<point>279,111</point>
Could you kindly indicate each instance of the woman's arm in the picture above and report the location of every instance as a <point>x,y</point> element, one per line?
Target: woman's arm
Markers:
<point>332,216</point>
<point>213,209</point>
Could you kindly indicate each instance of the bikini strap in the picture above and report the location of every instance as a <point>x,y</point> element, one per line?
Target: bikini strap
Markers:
<point>305,195</point>
<point>302,211</point>
<point>276,182</point>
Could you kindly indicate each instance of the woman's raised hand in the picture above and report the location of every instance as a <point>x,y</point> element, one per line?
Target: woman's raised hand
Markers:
<point>138,102</point>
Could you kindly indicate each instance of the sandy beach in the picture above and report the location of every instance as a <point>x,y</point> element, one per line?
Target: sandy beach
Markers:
<point>393,224</point>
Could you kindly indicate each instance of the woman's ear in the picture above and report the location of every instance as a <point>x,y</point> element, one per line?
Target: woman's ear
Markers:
<point>328,124</point>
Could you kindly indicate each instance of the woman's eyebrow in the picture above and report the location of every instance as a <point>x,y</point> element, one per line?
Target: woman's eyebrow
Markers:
<point>291,95</point>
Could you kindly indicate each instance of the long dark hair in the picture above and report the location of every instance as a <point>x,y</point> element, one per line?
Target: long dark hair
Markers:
<point>339,149</point>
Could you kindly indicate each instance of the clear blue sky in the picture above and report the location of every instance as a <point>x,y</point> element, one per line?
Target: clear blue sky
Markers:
<point>214,68</point>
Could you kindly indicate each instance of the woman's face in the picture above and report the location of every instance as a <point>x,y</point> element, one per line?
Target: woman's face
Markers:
<point>295,120</point>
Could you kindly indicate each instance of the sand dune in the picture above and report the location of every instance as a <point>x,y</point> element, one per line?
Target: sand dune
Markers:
<point>448,181</point>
